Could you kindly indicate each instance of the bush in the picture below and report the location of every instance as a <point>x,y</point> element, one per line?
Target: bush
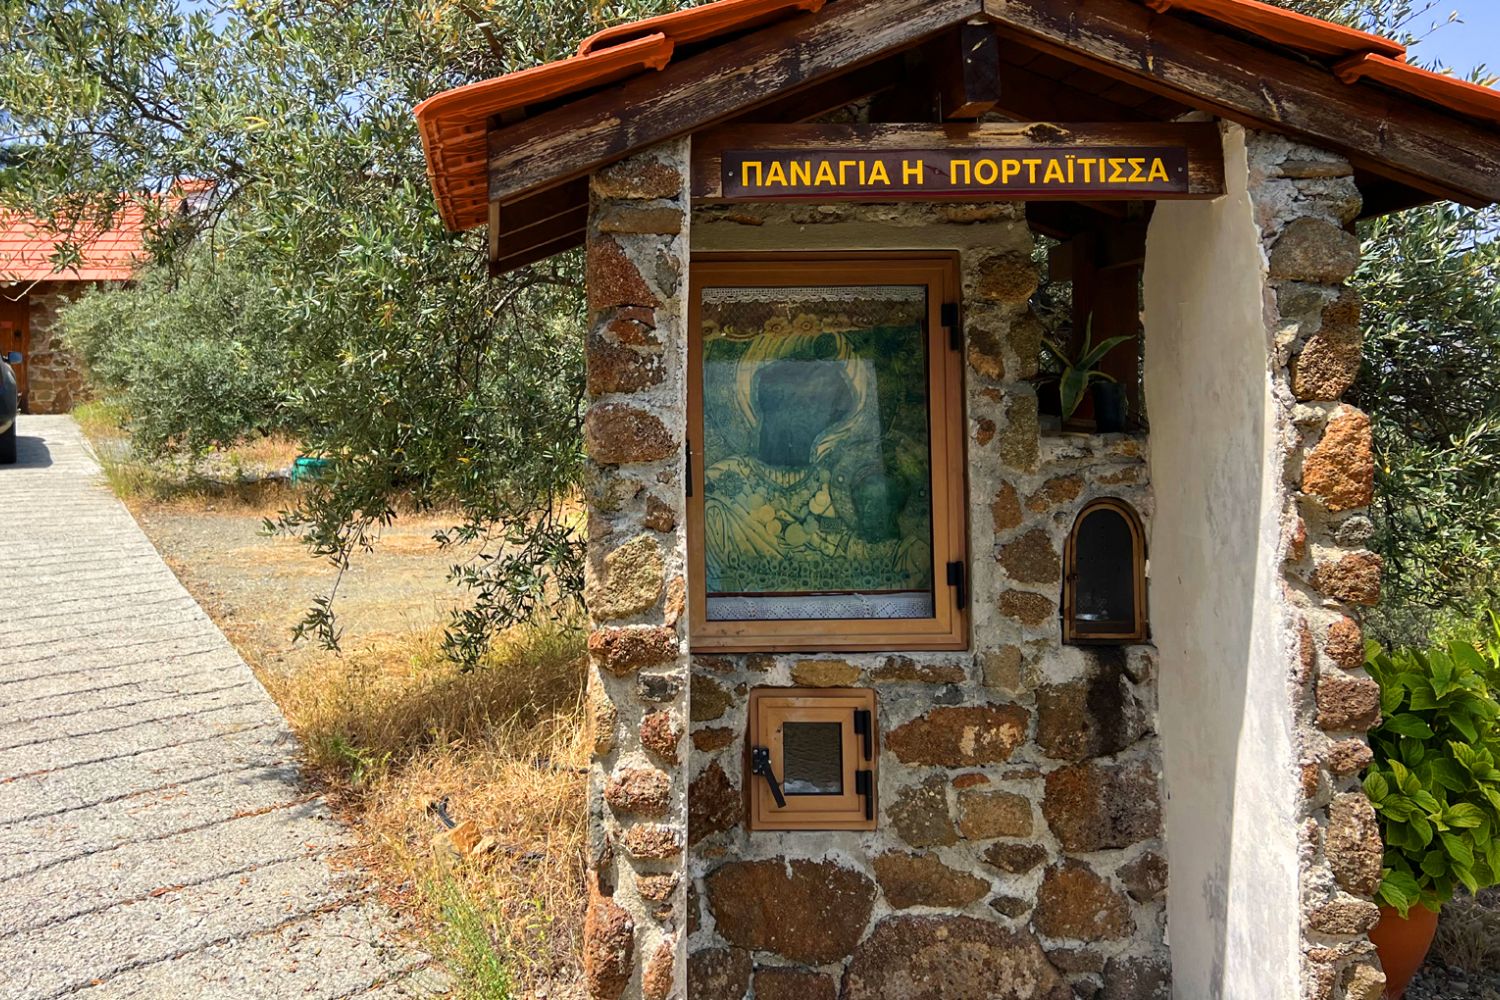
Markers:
<point>1434,781</point>
<point>189,354</point>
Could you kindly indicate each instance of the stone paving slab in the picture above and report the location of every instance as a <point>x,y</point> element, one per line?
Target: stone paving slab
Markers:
<point>155,839</point>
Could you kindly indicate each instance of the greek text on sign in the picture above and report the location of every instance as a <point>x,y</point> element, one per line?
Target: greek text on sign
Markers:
<point>1014,172</point>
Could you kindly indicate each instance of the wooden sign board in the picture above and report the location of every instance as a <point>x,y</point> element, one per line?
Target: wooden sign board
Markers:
<point>1023,161</point>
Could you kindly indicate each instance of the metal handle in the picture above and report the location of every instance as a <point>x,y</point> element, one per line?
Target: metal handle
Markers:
<point>760,763</point>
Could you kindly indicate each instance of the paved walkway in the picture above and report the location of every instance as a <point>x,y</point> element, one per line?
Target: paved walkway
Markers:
<point>154,840</point>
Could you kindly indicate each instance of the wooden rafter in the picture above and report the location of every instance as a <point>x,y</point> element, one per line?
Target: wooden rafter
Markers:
<point>708,88</point>
<point>1397,137</point>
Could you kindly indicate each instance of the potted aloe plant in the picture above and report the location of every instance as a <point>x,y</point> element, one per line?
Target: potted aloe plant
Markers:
<point>1435,785</point>
<point>1081,372</point>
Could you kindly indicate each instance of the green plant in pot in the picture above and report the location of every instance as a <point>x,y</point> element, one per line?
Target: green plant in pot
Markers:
<point>1435,785</point>
<point>1080,372</point>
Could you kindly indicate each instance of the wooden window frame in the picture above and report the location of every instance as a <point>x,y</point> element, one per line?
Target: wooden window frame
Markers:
<point>949,628</point>
<point>1141,631</point>
<point>772,707</point>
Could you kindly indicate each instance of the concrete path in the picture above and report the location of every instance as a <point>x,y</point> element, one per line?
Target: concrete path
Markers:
<point>154,839</point>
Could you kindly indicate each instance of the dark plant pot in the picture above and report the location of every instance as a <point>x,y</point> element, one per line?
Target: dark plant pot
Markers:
<point>1403,945</point>
<point>1049,399</point>
<point>1109,407</point>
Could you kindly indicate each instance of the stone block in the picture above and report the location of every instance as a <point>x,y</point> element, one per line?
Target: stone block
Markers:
<point>1354,577</point>
<point>640,791</point>
<point>1315,250</point>
<point>923,880</point>
<point>714,804</point>
<point>1099,805</point>
<point>634,574</point>
<point>1353,844</point>
<point>614,279</point>
<point>983,815</point>
<point>1074,902</point>
<point>812,912</point>
<point>960,736</point>
<point>608,948</point>
<point>1347,703</point>
<point>620,434</point>
<point>779,983</point>
<point>623,651</point>
<point>661,734</point>
<point>951,958</point>
<point>1032,558</point>
<point>920,814</point>
<point>1340,470</point>
<point>719,972</point>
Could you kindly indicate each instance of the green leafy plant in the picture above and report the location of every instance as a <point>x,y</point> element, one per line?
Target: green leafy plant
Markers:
<point>1081,370</point>
<point>1434,781</point>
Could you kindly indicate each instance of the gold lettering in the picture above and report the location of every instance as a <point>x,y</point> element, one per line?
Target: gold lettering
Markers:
<point>844,166</point>
<point>1137,164</point>
<point>802,173</point>
<point>878,173</point>
<point>1009,171</point>
<point>826,175</point>
<point>961,166</point>
<point>986,167</point>
<point>752,167</point>
<point>1072,161</point>
<point>1088,171</point>
<point>1116,170</point>
<point>776,175</point>
<point>1055,173</point>
<point>1031,166</point>
<point>911,172</point>
<point>1158,171</point>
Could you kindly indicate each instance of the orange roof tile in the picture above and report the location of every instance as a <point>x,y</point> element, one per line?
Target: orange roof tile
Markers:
<point>27,247</point>
<point>454,124</point>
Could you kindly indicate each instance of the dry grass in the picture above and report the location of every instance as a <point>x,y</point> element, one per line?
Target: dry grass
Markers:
<point>1468,935</point>
<point>233,477</point>
<point>392,727</point>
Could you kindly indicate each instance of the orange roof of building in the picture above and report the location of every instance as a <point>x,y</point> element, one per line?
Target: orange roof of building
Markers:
<point>27,248</point>
<point>454,124</point>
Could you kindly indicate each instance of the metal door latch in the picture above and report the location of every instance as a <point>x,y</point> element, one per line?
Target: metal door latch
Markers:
<point>760,763</point>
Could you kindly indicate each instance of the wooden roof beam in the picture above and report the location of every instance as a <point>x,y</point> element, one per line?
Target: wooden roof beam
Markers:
<point>713,86</point>
<point>1397,137</point>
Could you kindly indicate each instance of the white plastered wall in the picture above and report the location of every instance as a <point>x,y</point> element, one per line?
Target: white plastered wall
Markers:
<point>1218,616</point>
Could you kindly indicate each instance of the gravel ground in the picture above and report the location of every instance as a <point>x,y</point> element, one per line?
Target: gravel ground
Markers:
<point>257,587</point>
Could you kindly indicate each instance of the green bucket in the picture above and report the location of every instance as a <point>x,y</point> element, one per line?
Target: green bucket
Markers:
<point>306,467</point>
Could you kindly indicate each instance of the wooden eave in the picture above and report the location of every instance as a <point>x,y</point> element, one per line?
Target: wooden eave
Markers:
<point>528,145</point>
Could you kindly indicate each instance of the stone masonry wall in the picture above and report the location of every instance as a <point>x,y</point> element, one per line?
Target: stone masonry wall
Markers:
<point>1019,851</point>
<point>634,933</point>
<point>55,378</point>
<point>1305,200</point>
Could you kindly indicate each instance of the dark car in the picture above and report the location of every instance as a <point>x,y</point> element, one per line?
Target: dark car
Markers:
<point>10,404</point>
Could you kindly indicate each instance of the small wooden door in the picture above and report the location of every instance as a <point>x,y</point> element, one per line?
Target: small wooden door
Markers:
<point>15,335</point>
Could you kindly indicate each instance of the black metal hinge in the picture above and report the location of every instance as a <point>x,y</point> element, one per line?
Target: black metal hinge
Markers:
<point>687,448</point>
<point>956,580</point>
<point>864,784</point>
<point>863,727</point>
<point>954,324</point>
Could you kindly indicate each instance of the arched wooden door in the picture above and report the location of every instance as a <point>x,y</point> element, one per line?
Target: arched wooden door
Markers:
<point>15,335</point>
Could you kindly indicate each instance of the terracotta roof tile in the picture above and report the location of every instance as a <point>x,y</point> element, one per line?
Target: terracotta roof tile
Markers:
<point>26,250</point>
<point>453,124</point>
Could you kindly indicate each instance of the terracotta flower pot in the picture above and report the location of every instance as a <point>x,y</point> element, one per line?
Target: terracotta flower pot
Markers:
<point>1403,945</point>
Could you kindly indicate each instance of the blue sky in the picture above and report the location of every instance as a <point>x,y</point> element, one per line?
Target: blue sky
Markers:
<point>1463,46</point>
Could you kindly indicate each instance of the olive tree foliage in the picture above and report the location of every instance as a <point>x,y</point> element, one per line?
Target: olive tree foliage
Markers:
<point>1430,379</point>
<point>307,283</point>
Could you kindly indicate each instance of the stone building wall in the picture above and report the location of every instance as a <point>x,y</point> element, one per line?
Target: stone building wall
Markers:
<point>1306,202</point>
<point>55,378</point>
<point>1019,845</point>
<point>634,931</point>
